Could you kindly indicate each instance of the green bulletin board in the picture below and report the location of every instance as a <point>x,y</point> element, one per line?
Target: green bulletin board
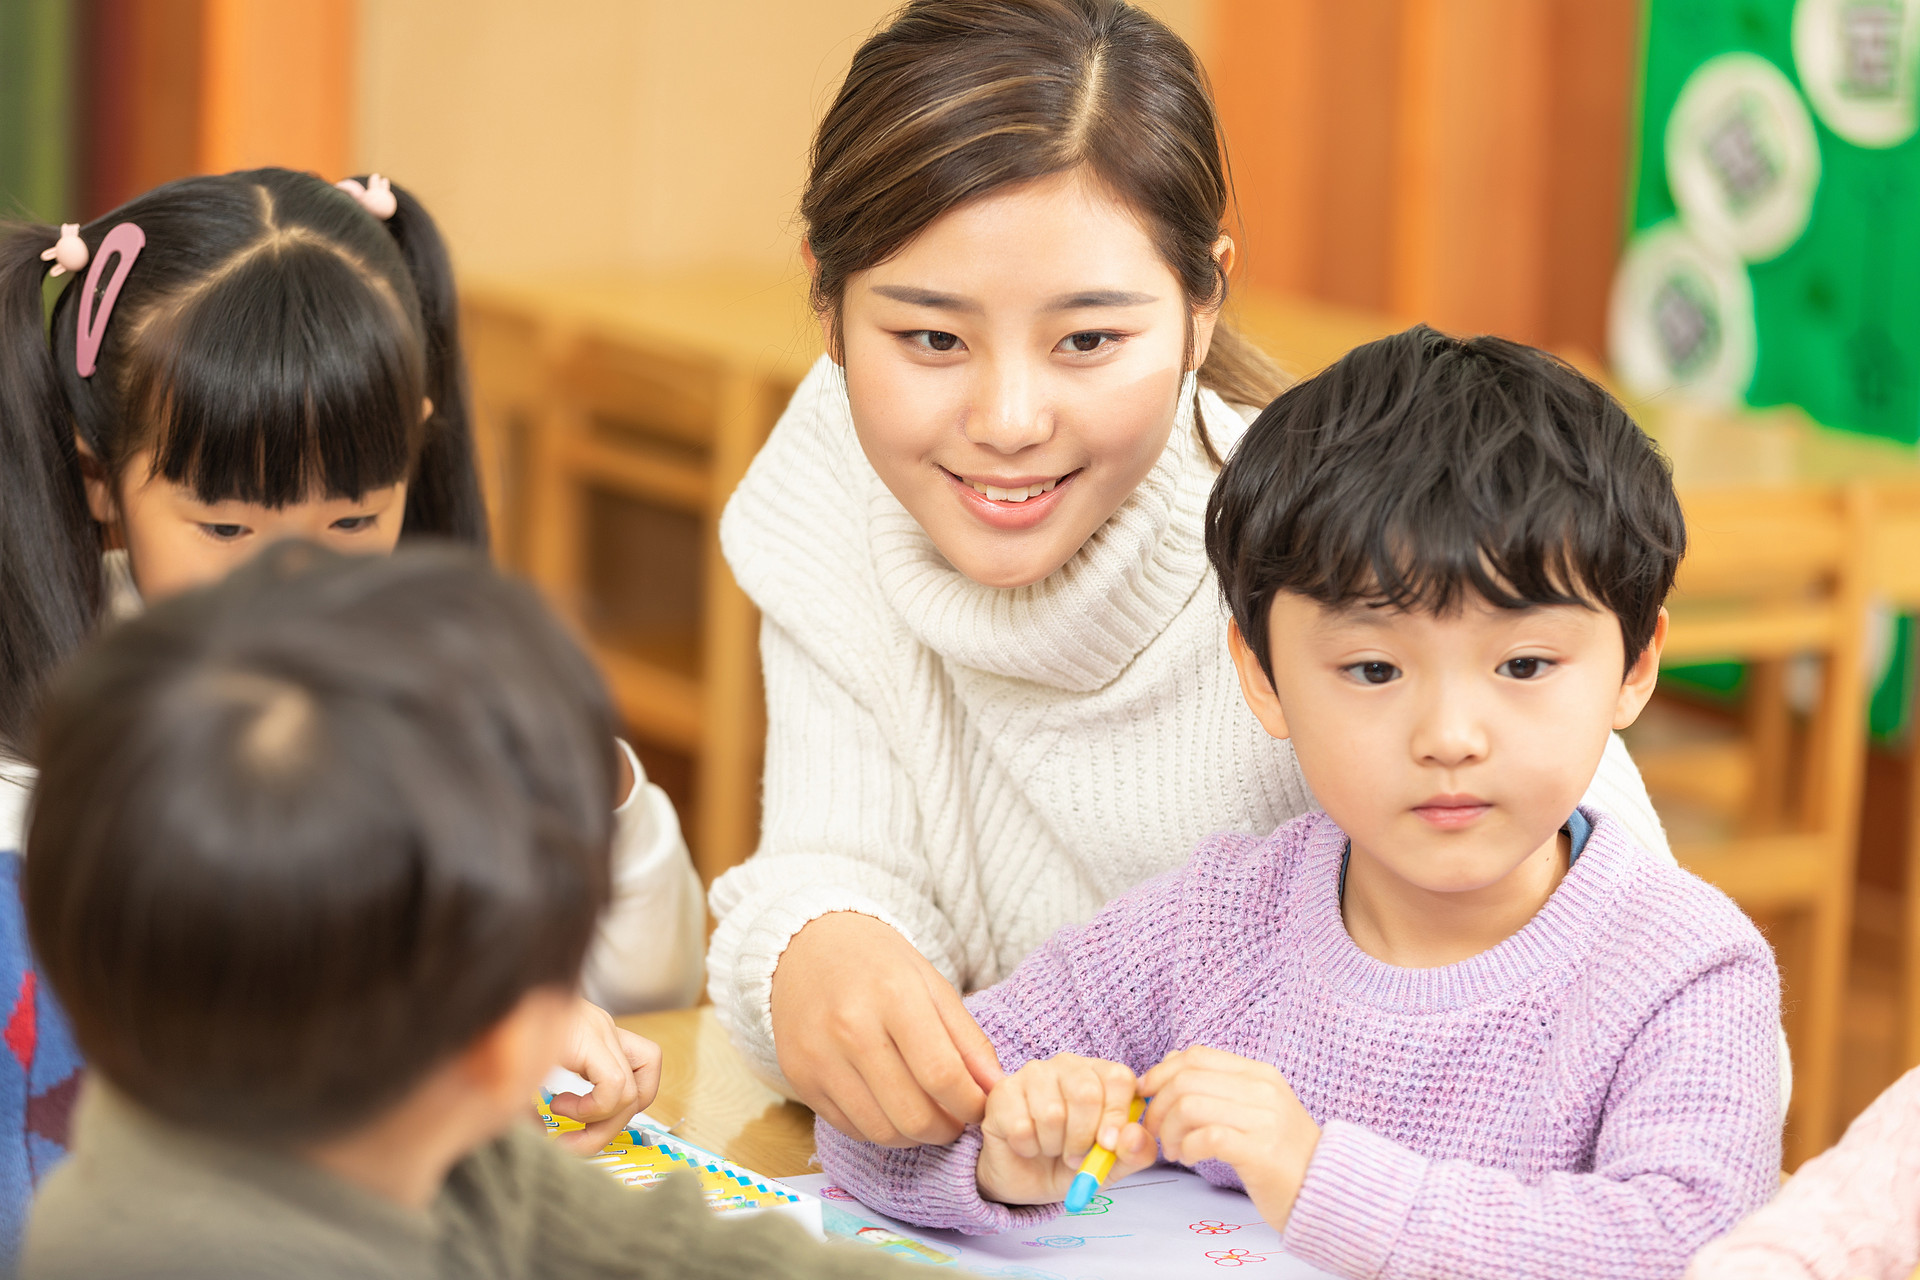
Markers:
<point>1773,254</point>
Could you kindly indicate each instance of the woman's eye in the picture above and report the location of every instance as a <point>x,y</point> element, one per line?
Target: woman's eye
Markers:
<point>1523,668</point>
<point>1086,343</point>
<point>1375,672</point>
<point>936,340</point>
<point>223,532</point>
<point>354,524</point>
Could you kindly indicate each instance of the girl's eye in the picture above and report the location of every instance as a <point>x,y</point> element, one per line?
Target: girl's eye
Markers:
<point>223,532</point>
<point>1088,342</point>
<point>354,524</point>
<point>1523,668</point>
<point>936,340</point>
<point>1375,672</point>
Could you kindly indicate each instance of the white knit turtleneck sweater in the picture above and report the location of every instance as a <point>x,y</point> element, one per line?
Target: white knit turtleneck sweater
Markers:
<point>980,766</point>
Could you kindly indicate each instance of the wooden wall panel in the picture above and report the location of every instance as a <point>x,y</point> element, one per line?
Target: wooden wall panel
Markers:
<point>176,87</point>
<point>1458,161</point>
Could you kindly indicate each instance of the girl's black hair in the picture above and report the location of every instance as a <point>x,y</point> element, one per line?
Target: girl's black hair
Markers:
<point>272,340</point>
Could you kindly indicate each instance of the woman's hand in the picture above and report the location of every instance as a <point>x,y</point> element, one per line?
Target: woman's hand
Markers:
<point>874,1039</point>
<point>1212,1105</point>
<point>1044,1118</point>
<point>623,1068</point>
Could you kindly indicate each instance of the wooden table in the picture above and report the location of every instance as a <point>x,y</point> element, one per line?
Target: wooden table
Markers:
<point>708,1096</point>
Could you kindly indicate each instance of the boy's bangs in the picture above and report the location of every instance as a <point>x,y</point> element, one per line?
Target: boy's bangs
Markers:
<point>1450,563</point>
<point>291,377</point>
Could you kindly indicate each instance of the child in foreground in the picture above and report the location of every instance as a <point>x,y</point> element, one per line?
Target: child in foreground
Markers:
<point>1852,1213</point>
<point>1454,1025</point>
<point>317,855</point>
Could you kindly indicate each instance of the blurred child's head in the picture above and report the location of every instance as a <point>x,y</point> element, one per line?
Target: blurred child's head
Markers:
<point>1447,562</point>
<point>304,836</point>
<point>278,362</point>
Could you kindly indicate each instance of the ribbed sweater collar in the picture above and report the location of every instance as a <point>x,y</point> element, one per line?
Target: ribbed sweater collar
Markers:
<point>1556,935</point>
<point>1081,626</point>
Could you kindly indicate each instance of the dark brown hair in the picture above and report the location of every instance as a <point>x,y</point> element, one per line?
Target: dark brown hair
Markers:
<point>1422,468</point>
<point>955,99</point>
<point>273,339</point>
<point>302,835</point>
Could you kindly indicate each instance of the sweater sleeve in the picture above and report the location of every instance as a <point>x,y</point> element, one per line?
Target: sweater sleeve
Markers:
<point>1851,1212</point>
<point>839,832</point>
<point>647,954</point>
<point>1689,1142</point>
<point>1106,989</point>
<point>1618,789</point>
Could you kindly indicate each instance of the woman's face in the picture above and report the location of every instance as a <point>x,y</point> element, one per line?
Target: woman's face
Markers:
<point>1015,370</point>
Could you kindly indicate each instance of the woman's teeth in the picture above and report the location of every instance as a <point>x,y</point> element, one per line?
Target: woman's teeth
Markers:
<point>998,494</point>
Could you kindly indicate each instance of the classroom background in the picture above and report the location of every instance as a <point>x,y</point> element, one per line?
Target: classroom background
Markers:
<point>1712,204</point>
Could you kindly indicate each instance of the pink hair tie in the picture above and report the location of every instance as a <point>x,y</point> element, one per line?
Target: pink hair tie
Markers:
<point>376,197</point>
<point>69,253</point>
<point>125,240</point>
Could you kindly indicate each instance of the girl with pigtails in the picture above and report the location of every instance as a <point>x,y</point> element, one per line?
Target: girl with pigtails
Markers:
<point>238,359</point>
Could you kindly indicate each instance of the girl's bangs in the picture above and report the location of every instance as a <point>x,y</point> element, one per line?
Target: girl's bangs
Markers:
<point>293,376</point>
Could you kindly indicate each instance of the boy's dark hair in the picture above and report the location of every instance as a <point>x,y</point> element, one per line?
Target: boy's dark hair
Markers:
<point>272,339</point>
<point>1420,467</point>
<point>302,835</point>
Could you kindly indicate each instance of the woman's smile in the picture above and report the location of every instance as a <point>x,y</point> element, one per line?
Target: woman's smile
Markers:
<point>1009,502</point>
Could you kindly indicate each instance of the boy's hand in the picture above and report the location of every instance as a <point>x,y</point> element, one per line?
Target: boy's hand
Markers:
<point>1212,1105</point>
<point>623,1068</point>
<point>1044,1118</point>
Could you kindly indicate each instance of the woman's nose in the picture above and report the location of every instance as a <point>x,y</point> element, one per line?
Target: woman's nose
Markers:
<point>1008,413</point>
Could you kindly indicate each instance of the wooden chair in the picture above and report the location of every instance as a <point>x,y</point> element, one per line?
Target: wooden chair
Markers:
<point>612,453</point>
<point>1764,800</point>
<point>1896,578</point>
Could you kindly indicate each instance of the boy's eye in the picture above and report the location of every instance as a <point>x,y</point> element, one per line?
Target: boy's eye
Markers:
<point>1523,668</point>
<point>1375,672</point>
<point>223,532</point>
<point>1084,343</point>
<point>936,340</point>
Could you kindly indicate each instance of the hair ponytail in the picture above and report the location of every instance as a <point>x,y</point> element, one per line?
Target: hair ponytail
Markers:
<point>443,498</point>
<point>49,546</point>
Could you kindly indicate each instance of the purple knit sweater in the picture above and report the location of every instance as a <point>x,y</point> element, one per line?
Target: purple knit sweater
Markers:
<point>1599,1095</point>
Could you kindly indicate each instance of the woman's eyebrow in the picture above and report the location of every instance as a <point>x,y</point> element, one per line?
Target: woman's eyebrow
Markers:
<point>1100,298</point>
<point>926,297</point>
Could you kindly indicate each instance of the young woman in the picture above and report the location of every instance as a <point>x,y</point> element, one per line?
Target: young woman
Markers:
<point>237,359</point>
<point>998,683</point>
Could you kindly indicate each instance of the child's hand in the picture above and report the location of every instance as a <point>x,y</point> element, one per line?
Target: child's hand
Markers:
<point>1212,1105</point>
<point>1044,1118</point>
<point>623,1068</point>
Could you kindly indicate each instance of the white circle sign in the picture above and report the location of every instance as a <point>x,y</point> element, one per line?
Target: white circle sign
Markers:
<point>1681,318</point>
<point>1857,60</point>
<point>1742,158</point>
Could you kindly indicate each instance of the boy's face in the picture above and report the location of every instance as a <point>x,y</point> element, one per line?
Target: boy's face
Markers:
<point>1448,747</point>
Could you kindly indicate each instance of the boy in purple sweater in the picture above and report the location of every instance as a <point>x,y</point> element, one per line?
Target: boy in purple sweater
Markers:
<point>1453,1026</point>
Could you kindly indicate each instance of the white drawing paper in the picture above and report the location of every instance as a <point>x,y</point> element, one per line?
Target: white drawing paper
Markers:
<point>1160,1224</point>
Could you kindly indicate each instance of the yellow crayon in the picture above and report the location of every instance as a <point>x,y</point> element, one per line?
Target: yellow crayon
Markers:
<point>1098,1164</point>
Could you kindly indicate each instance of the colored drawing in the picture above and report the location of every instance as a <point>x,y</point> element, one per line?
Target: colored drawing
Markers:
<point>1162,1224</point>
<point>1097,1205</point>
<point>1236,1257</point>
<point>644,1153</point>
<point>902,1246</point>
<point>1066,1242</point>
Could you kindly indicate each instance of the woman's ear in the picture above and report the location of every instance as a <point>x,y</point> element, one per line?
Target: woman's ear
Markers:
<point>426,407</point>
<point>101,503</point>
<point>1637,688</point>
<point>1255,687</point>
<point>1207,317</point>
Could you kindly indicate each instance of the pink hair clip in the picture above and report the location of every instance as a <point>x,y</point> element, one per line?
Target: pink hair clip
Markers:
<point>121,246</point>
<point>69,253</point>
<point>376,197</point>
